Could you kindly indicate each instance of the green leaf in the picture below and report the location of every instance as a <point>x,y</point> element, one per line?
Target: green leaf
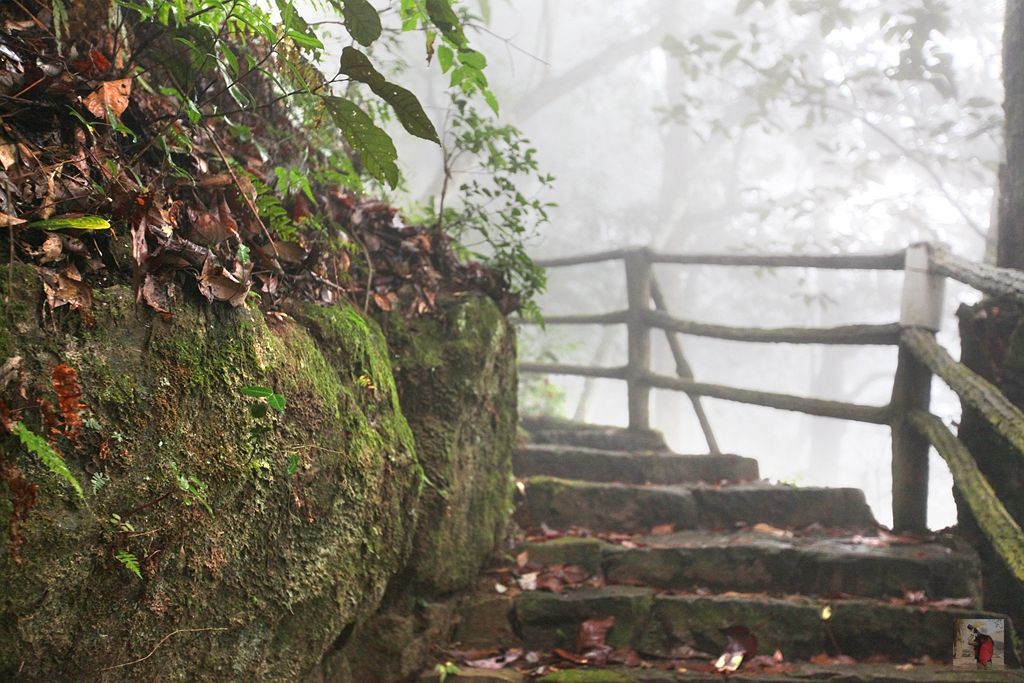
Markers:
<point>473,59</point>
<point>77,223</point>
<point>293,464</point>
<point>130,562</point>
<point>491,100</point>
<point>445,19</point>
<point>258,392</point>
<point>445,57</point>
<point>362,21</point>
<point>38,446</point>
<point>374,146</point>
<point>276,401</point>
<point>358,67</point>
<point>298,30</point>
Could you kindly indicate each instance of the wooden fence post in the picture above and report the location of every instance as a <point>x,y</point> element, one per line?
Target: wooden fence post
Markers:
<point>921,307</point>
<point>638,296</point>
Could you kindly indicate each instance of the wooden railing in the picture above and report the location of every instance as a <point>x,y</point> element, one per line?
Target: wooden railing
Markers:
<point>914,429</point>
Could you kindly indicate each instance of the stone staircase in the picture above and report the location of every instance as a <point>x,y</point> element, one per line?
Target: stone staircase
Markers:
<point>690,553</point>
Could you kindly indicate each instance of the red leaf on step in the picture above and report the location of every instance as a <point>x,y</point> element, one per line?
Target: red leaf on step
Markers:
<point>592,633</point>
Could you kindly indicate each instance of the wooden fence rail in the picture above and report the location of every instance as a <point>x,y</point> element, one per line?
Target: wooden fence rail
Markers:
<point>914,429</point>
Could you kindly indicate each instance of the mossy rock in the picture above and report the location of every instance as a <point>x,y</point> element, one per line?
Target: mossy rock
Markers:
<point>258,588</point>
<point>457,381</point>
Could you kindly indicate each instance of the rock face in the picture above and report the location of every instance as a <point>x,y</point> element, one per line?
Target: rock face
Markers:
<point>312,512</point>
<point>456,381</point>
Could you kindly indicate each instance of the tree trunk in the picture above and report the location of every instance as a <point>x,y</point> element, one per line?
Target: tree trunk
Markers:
<point>992,338</point>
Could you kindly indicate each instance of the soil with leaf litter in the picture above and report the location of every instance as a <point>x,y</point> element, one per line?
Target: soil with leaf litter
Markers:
<point>84,145</point>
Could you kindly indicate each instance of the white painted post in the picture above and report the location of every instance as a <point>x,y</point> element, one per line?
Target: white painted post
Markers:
<point>923,291</point>
<point>920,307</point>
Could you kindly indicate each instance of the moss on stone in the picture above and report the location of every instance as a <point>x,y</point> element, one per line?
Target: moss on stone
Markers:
<point>456,377</point>
<point>281,566</point>
<point>587,676</point>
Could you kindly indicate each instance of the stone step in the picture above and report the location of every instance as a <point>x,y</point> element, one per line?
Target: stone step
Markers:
<point>844,673</point>
<point>665,625</point>
<point>592,464</point>
<point>549,430</point>
<point>753,561</point>
<point>563,503</point>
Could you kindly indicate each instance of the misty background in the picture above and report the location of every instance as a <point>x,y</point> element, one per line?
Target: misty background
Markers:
<point>835,126</point>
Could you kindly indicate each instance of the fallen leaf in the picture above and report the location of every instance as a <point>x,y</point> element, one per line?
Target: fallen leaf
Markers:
<point>158,295</point>
<point>953,602</point>
<point>66,289</point>
<point>215,283</point>
<point>9,221</point>
<point>52,249</point>
<point>826,612</point>
<point>569,656</point>
<point>528,581</point>
<point>828,660</point>
<point>8,153</point>
<point>112,95</point>
<point>663,529</point>
<point>729,662</point>
<point>763,528</point>
<point>522,559</point>
<point>593,633</point>
<point>496,662</point>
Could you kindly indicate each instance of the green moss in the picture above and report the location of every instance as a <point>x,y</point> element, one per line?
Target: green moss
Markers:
<point>456,379</point>
<point>282,565</point>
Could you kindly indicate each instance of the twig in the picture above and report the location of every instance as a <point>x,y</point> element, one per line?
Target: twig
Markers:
<point>369,268</point>
<point>161,642</point>
<point>33,17</point>
<point>238,185</point>
<point>142,507</point>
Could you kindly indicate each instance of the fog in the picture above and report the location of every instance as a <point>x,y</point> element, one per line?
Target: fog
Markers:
<point>807,127</point>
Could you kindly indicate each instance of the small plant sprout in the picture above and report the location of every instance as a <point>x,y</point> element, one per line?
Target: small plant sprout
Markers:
<point>193,490</point>
<point>129,561</point>
<point>445,670</point>
<point>98,481</point>
<point>270,399</point>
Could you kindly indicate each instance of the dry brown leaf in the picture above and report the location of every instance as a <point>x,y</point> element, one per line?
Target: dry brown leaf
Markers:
<point>9,221</point>
<point>158,295</point>
<point>763,528</point>
<point>8,153</point>
<point>593,633</point>
<point>292,252</point>
<point>663,529</point>
<point>215,283</point>
<point>52,249</point>
<point>66,289</point>
<point>112,95</point>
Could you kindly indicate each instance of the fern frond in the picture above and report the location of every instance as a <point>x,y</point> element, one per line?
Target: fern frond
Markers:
<point>130,562</point>
<point>38,446</point>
